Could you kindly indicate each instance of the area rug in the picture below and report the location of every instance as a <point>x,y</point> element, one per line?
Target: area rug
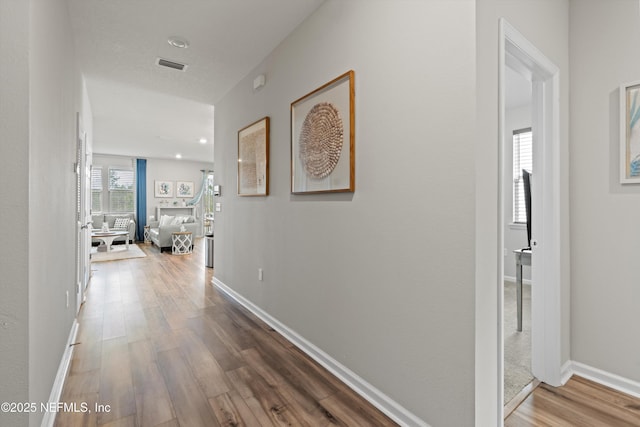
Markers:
<point>117,252</point>
<point>517,345</point>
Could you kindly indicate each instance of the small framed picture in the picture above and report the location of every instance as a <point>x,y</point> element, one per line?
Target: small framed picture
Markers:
<point>323,138</point>
<point>164,189</point>
<point>630,133</point>
<point>184,189</point>
<point>253,159</point>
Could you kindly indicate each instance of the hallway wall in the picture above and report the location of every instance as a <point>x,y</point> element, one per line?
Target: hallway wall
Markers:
<point>381,279</point>
<point>605,291</point>
<point>39,101</point>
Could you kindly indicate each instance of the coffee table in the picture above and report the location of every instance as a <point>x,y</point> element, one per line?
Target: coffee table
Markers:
<point>108,236</point>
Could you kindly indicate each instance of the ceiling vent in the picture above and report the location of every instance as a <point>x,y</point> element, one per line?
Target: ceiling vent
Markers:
<point>171,64</point>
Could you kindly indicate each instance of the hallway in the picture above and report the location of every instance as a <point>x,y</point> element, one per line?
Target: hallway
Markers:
<point>158,345</point>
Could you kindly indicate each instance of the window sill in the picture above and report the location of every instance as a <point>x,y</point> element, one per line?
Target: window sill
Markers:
<point>517,226</point>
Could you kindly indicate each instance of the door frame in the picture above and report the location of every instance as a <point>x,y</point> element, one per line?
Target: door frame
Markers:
<point>516,52</point>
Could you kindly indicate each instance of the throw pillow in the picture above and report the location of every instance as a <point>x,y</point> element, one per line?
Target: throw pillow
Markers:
<point>121,223</point>
<point>165,220</point>
<point>177,220</point>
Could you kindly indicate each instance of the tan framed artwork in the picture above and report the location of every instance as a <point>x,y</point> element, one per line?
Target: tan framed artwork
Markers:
<point>323,138</point>
<point>253,159</point>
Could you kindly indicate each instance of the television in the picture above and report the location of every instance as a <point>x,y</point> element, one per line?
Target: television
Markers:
<point>526,179</point>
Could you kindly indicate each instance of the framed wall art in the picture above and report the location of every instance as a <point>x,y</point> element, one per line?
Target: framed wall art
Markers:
<point>630,133</point>
<point>184,189</point>
<point>323,138</point>
<point>164,188</point>
<point>253,159</point>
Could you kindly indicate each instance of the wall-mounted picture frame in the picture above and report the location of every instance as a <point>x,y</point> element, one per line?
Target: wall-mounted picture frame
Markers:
<point>184,189</point>
<point>163,188</point>
<point>630,133</point>
<point>323,138</point>
<point>253,159</point>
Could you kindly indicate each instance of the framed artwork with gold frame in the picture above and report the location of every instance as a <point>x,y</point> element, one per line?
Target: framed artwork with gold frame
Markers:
<point>253,159</point>
<point>323,138</point>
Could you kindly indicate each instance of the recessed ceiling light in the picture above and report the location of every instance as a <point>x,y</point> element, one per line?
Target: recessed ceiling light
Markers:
<point>203,140</point>
<point>178,42</point>
<point>178,156</point>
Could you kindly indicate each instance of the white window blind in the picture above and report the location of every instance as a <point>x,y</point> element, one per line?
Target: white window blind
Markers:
<point>96,189</point>
<point>522,159</point>
<point>121,190</point>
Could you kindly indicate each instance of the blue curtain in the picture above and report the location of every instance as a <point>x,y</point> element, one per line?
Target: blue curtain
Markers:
<point>141,197</point>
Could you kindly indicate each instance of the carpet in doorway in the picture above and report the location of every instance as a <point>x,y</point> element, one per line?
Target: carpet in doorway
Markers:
<point>517,345</point>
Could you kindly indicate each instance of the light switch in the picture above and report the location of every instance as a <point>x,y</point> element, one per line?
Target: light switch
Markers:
<point>218,207</point>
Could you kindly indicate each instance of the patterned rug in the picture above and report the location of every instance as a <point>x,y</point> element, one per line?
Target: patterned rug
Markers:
<point>117,252</point>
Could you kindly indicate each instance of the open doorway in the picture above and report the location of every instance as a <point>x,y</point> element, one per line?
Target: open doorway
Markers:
<point>521,56</point>
<point>518,156</point>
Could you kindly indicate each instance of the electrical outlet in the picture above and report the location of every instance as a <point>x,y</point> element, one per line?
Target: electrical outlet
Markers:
<point>260,274</point>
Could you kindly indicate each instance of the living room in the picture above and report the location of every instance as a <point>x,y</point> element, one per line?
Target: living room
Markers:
<point>114,193</point>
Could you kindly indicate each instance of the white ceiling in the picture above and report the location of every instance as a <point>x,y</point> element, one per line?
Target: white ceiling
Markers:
<point>140,109</point>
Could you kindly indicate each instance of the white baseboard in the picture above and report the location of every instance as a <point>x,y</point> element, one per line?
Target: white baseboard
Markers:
<point>56,391</point>
<point>513,280</point>
<point>616,382</point>
<point>374,396</point>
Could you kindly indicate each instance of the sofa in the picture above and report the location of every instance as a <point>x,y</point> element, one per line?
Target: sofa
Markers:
<point>160,231</point>
<point>110,219</point>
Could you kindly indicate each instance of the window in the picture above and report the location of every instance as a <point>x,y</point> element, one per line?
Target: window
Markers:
<point>522,159</point>
<point>96,189</point>
<point>121,191</point>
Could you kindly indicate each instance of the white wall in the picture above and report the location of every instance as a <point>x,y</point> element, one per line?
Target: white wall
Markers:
<point>14,206</point>
<point>605,291</point>
<point>40,93</point>
<point>381,279</point>
<point>515,235</point>
<point>545,23</point>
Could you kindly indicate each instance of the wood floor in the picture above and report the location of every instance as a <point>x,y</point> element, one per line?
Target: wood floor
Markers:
<point>578,403</point>
<point>158,345</point>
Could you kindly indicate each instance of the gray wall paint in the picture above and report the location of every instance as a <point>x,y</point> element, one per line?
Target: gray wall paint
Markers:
<point>605,292</point>
<point>381,279</point>
<point>546,24</point>
<point>40,94</point>
<point>56,94</point>
<point>14,205</point>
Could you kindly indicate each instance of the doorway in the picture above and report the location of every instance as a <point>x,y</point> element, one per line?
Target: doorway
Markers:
<point>518,156</point>
<point>519,55</point>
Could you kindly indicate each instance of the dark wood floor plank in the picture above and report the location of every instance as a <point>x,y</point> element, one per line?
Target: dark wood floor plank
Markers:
<point>153,403</point>
<point>204,367</point>
<point>191,406</point>
<point>116,385</point>
<point>250,385</point>
<point>232,411</point>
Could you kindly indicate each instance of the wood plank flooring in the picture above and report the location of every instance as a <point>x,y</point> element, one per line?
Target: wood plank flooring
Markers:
<point>580,402</point>
<point>162,347</point>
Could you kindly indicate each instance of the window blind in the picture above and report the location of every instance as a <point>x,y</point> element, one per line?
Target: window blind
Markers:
<point>96,189</point>
<point>121,190</point>
<point>522,159</point>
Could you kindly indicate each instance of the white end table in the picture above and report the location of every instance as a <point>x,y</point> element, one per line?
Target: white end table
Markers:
<point>182,241</point>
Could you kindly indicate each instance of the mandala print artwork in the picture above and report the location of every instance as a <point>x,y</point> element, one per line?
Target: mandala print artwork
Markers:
<point>321,139</point>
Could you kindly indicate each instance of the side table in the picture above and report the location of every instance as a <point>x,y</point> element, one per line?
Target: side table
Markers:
<point>147,237</point>
<point>182,241</point>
